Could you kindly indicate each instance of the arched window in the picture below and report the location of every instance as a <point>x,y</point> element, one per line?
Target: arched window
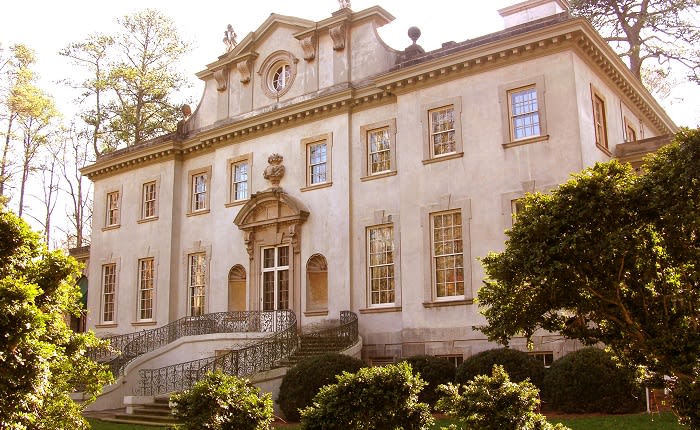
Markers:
<point>317,284</point>
<point>237,288</point>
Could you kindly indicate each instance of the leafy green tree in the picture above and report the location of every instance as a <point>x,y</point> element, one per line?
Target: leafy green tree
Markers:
<point>649,34</point>
<point>223,402</point>
<point>374,398</point>
<point>41,360</point>
<point>611,257</point>
<point>495,403</point>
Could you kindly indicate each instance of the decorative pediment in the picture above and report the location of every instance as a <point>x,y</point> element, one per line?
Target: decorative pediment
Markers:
<point>271,208</point>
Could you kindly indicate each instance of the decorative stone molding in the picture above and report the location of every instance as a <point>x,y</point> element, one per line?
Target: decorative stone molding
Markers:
<point>274,172</point>
<point>337,33</point>
<point>308,44</point>
<point>267,69</point>
<point>221,77</point>
<point>244,68</point>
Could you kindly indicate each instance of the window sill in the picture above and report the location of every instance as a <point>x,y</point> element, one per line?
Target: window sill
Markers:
<point>316,186</point>
<point>444,158</point>
<point>143,323</point>
<point>236,203</point>
<point>321,313</point>
<point>604,149</point>
<point>526,141</point>
<point>379,310</point>
<point>111,227</point>
<point>106,325</point>
<point>379,175</point>
<point>446,303</point>
<point>145,220</point>
<point>199,212</point>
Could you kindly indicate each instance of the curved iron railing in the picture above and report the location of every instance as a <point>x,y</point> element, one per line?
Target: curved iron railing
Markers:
<point>244,361</point>
<point>127,347</point>
<point>343,335</point>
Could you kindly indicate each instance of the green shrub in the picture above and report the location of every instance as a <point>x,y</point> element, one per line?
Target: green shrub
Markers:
<point>433,370</point>
<point>495,403</point>
<point>302,382</point>
<point>223,402</point>
<point>519,366</point>
<point>374,398</point>
<point>588,380</point>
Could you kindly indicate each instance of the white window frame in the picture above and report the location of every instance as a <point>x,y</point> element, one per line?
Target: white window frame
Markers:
<point>108,300</point>
<point>600,120</point>
<point>202,206</point>
<point>149,200</point>
<point>146,289</point>
<point>435,257</point>
<point>277,270</point>
<point>113,209</point>
<point>196,283</point>
<point>455,105</point>
<point>535,86</point>
<point>388,126</point>
<point>385,269</point>
<point>308,144</point>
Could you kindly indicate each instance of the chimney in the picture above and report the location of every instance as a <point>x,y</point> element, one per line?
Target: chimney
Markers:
<point>531,10</point>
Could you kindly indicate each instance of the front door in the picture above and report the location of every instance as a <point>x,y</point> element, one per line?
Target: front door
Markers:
<point>275,278</point>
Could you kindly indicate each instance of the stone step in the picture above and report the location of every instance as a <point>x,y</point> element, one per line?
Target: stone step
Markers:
<point>150,418</point>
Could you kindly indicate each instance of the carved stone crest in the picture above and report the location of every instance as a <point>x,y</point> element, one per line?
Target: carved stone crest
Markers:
<point>275,170</point>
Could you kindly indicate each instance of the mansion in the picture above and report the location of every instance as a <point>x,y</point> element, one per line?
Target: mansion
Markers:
<point>324,171</point>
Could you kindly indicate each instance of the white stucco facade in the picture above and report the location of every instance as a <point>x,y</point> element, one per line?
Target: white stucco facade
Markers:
<point>343,83</point>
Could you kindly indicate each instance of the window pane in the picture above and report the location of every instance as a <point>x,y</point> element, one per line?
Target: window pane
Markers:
<point>317,163</point>
<point>197,269</point>
<point>240,181</point>
<point>447,254</point>
<point>381,264</point>
<point>146,289</point>
<point>525,119</point>
<point>379,150</point>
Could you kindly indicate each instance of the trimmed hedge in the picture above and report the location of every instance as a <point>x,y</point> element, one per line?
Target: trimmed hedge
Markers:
<point>589,380</point>
<point>433,370</point>
<point>302,382</point>
<point>519,366</point>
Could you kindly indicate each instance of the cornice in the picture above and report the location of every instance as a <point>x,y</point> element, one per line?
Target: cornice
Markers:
<point>132,157</point>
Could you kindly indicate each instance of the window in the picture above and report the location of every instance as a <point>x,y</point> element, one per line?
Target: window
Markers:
<point>196,283</point>
<point>455,359</point>
<point>380,264</point>
<point>318,161</point>
<point>442,130</point>
<point>281,77</point>
<point>524,114</point>
<point>630,131</point>
<point>148,206</point>
<point>109,290</point>
<point>279,71</point>
<point>240,181</point>
<point>199,191</point>
<point>112,214</point>
<point>547,358</point>
<point>523,111</point>
<point>317,284</point>
<point>516,206</point>
<point>448,259</point>
<point>275,278</point>
<point>379,149</point>
<point>599,121</point>
<point>146,284</point>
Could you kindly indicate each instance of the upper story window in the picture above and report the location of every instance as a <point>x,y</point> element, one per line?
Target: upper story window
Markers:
<point>600,122</point>
<point>278,72</point>
<point>112,213</point>
<point>199,191</point>
<point>148,205</point>
<point>442,130</point>
<point>240,180</point>
<point>523,109</point>
<point>379,149</point>
<point>630,131</point>
<point>318,161</point>
<point>524,113</point>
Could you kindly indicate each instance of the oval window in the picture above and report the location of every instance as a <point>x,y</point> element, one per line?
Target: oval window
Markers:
<point>280,78</point>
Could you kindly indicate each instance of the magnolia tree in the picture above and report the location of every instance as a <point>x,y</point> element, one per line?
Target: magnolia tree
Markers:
<point>611,257</point>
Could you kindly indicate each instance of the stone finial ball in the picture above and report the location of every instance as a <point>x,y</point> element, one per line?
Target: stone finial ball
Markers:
<point>414,33</point>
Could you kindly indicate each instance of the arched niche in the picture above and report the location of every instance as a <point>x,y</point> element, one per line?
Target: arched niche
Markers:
<point>317,285</point>
<point>237,288</point>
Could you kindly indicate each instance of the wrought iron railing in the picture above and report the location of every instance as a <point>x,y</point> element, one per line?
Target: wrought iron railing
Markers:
<point>244,361</point>
<point>127,347</point>
<point>343,335</point>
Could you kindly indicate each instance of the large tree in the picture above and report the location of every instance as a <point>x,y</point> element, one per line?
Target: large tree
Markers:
<point>611,257</point>
<point>41,360</point>
<point>131,78</point>
<point>651,35</point>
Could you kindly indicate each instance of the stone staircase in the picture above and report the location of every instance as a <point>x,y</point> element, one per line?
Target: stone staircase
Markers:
<point>311,345</point>
<point>154,414</point>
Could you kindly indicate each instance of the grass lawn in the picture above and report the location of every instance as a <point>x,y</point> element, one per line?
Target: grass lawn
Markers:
<point>664,421</point>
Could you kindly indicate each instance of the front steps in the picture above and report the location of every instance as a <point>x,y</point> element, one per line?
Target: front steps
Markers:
<point>153,414</point>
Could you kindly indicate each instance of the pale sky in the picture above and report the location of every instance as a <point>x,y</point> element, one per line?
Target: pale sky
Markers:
<point>48,25</point>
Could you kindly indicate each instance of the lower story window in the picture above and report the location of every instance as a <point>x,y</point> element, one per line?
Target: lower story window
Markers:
<point>109,288</point>
<point>196,283</point>
<point>146,283</point>
<point>448,254</point>
<point>380,257</point>
<point>275,278</point>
